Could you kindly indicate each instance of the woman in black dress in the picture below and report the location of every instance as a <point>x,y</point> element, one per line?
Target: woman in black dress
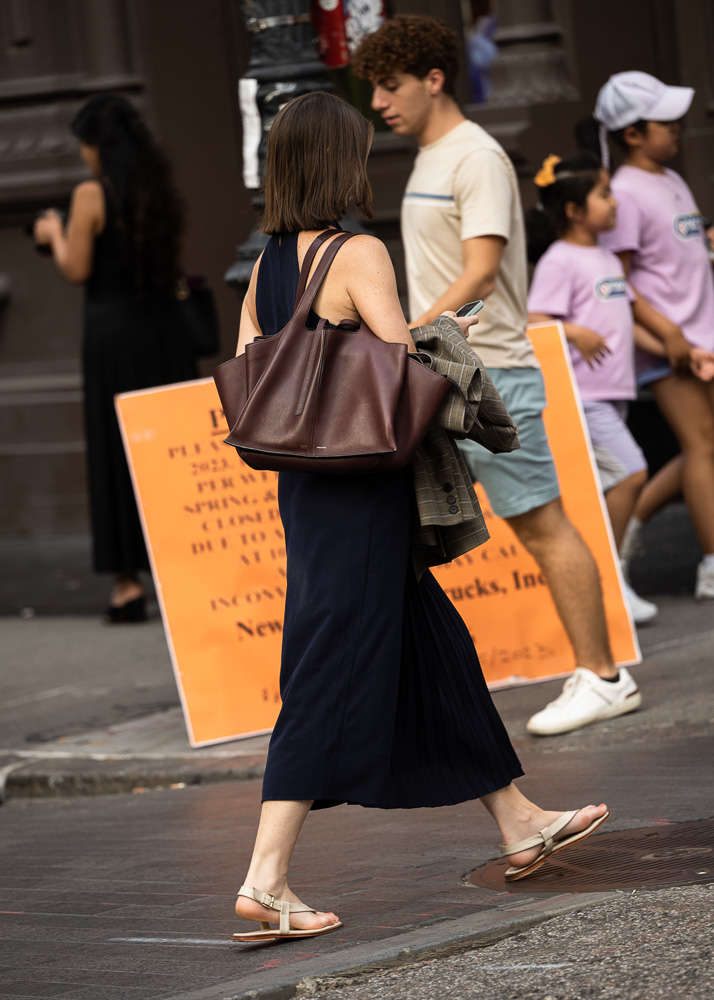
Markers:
<point>384,702</point>
<point>122,242</point>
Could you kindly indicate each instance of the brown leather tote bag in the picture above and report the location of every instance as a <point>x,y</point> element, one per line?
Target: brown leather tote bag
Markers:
<point>335,400</point>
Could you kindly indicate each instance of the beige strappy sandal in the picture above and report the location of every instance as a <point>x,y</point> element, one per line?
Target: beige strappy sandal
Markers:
<point>283,907</point>
<point>546,839</point>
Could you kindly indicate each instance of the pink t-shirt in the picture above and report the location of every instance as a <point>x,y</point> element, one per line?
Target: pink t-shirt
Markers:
<point>658,219</point>
<point>586,286</point>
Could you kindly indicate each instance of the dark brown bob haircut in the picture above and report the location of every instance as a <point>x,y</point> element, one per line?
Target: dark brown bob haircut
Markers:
<point>316,164</point>
<point>409,43</point>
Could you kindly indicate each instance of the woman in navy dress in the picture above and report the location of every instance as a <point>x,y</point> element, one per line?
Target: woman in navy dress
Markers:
<point>383,699</point>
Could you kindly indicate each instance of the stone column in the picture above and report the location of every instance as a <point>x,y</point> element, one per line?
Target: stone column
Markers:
<point>531,65</point>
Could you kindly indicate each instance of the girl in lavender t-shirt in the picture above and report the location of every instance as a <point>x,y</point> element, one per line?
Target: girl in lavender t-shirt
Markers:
<point>659,237</point>
<point>583,284</point>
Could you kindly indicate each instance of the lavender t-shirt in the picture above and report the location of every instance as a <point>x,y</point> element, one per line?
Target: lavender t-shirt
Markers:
<point>658,219</point>
<point>586,286</point>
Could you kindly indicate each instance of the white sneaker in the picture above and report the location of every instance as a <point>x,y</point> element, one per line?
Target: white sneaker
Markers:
<point>641,611</point>
<point>586,698</point>
<point>704,590</point>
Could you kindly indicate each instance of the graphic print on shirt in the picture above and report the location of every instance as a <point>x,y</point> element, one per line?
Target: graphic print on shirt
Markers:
<point>689,226</point>
<point>609,288</point>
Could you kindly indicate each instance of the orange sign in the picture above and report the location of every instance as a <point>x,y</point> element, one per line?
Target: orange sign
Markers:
<point>499,589</point>
<point>217,551</point>
<point>216,544</point>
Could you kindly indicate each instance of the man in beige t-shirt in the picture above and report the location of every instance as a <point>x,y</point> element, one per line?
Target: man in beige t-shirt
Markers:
<point>463,237</point>
<point>463,187</point>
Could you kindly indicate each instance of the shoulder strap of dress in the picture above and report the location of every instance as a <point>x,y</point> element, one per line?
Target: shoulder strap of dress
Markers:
<point>308,259</point>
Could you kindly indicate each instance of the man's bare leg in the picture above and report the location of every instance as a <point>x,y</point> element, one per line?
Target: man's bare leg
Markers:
<point>574,582</point>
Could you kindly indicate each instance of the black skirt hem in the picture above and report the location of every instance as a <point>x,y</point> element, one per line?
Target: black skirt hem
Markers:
<point>447,800</point>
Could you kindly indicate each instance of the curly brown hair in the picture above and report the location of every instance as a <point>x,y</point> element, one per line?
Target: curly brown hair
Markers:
<point>410,44</point>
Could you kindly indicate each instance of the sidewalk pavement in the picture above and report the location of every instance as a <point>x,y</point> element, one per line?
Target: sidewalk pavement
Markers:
<point>87,709</point>
<point>131,895</point>
<point>124,896</point>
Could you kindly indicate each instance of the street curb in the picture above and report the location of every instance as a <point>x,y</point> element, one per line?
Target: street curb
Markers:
<point>439,940</point>
<point>38,777</point>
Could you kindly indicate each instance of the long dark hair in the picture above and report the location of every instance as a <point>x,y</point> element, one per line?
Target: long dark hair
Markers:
<point>139,180</point>
<point>317,164</point>
<point>573,180</point>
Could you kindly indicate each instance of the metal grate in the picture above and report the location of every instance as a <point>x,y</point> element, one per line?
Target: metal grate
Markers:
<point>654,857</point>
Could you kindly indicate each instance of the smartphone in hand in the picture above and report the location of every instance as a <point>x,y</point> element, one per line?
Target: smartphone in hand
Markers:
<point>471,308</point>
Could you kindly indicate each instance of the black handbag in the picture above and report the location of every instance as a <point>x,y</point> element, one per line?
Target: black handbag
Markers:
<point>197,308</point>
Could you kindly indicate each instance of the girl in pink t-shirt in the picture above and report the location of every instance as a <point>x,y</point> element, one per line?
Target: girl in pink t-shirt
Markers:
<point>659,237</point>
<point>581,283</point>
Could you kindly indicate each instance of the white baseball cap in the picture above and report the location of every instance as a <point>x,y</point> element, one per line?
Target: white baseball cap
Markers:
<point>630,97</point>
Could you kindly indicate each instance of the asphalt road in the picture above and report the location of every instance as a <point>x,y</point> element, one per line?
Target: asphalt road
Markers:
<point>131,895</point>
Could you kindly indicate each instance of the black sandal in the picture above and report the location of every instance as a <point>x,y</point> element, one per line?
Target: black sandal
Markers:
<point>127,614</point>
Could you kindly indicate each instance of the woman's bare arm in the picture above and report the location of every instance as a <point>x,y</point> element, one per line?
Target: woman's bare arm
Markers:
<point>73,247</point>
<point>249,328</point>
<point>372,286</point>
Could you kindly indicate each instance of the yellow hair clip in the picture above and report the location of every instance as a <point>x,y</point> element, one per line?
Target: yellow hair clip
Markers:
<point>546,175</point>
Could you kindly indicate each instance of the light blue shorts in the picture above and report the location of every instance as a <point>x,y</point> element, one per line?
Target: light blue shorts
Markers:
<point>521,480</point>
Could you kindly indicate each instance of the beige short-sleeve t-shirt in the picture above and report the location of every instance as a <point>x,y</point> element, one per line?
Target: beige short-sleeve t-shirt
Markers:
<point>463,185</point>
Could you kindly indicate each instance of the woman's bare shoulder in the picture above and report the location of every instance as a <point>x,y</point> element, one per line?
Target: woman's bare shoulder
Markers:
<point>363,243</point>
<point>363,252</point>
<point>88,193</point>
<point>88,203</point>
<point>88,211</point>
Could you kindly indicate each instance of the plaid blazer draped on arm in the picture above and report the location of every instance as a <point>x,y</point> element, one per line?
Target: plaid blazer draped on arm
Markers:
<point>450,521</point>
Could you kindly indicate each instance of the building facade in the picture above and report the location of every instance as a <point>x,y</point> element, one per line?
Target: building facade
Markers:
<point>181,61</point>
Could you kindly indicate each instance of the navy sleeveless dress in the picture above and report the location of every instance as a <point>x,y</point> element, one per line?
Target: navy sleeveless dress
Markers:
<point>384,702</point>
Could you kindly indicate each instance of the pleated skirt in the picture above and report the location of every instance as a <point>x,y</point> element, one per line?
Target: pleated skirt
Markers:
<point>383,699</point>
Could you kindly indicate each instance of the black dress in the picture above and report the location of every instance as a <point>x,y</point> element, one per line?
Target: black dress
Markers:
<point>384,702</point>
<point>129,343</point>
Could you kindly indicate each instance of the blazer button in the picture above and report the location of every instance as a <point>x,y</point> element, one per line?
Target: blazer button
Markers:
<point>451,499</point>
<point>453,509</point>
<point>447,487</point>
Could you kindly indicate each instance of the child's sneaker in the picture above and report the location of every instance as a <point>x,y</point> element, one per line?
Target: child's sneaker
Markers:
<point>586,698</point>
<point>641,611</point>
<point>704,590</point>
